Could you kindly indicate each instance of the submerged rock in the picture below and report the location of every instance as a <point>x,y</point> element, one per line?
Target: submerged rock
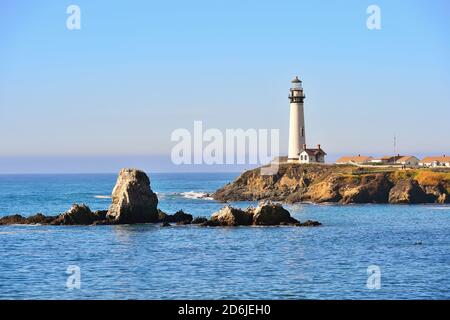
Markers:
<point>309,223</point>
<point>133,201</point>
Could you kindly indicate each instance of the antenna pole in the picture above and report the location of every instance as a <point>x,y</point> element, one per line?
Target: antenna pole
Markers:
<point>395,149</point>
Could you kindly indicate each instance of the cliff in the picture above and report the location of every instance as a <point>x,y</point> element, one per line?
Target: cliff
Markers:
<point>339,184</point>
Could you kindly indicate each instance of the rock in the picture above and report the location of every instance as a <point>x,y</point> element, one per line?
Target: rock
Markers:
<point>13,219</point>
<point>165,224</point>
<point>39,218</point>
<point>270,214</point>
<point>133,201</point>
<point>162,216</point>
<point>326,191</point>
<point>407,191</point>
<point>371,189</point>
<point>105,222</point>
<point>443,198</point>
<point>100,214</point>
<point>199,220</point>
<point>331,183</point>
<point>266,214</point>
<point>436,193</point>
<point>180,217</point>
<point>211,223</point>
<point>309,223</point>
<point>229,216</point>
<point>78,214</point>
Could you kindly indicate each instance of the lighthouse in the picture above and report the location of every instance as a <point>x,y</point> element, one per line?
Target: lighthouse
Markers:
<point>296,121</point>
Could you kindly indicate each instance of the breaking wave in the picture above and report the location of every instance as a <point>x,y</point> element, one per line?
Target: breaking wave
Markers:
<point>196,195</point>
<point>102,197</point>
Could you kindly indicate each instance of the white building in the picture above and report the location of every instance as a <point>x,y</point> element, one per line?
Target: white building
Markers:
<point>298,153</point>
<point>408,161</point>
<point>359,159</point>
<point>443,161</point>
<point>312,155</point>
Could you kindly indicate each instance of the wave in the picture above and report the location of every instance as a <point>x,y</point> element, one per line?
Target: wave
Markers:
<point>102,197</point>
<point>196,195</point>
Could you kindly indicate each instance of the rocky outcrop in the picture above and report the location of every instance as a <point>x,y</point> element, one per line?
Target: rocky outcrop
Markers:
<point>266,214</point>
<point>339,184</point>
<point>407,191</point>
<point>133,201</point>
<point>179,217</point>
<point>199,220</point>
<point>371,189</point>
<point>271,215</point>
<point>229,216</point>
<point>78,214</point>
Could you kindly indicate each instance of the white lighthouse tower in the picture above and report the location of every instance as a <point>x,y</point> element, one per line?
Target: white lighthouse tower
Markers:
<point>296,121</point>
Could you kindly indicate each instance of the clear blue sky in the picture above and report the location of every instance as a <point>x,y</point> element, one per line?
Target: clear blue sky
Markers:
<point>137,70</point>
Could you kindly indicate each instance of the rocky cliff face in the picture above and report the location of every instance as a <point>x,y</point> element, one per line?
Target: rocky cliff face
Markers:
<point>341,184</point>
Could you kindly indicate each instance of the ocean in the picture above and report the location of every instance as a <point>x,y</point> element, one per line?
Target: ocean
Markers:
<point>408,245</point>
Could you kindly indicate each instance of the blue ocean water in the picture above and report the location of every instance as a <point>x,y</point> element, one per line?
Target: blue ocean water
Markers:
<point>409,244</point>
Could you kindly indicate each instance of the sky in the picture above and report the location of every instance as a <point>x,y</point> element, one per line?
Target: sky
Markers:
<point>111,94</point>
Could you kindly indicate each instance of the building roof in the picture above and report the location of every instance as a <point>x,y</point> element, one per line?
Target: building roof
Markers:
<point>356,159</point>
<point>437,159</point>
<point>405,158</point>
<point>314,152</point>
<point>296,80</point>
<point>388,158</point>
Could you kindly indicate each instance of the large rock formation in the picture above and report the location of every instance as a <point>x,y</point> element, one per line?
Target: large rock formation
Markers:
<point>132,199</point>
<point>339,184</point>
